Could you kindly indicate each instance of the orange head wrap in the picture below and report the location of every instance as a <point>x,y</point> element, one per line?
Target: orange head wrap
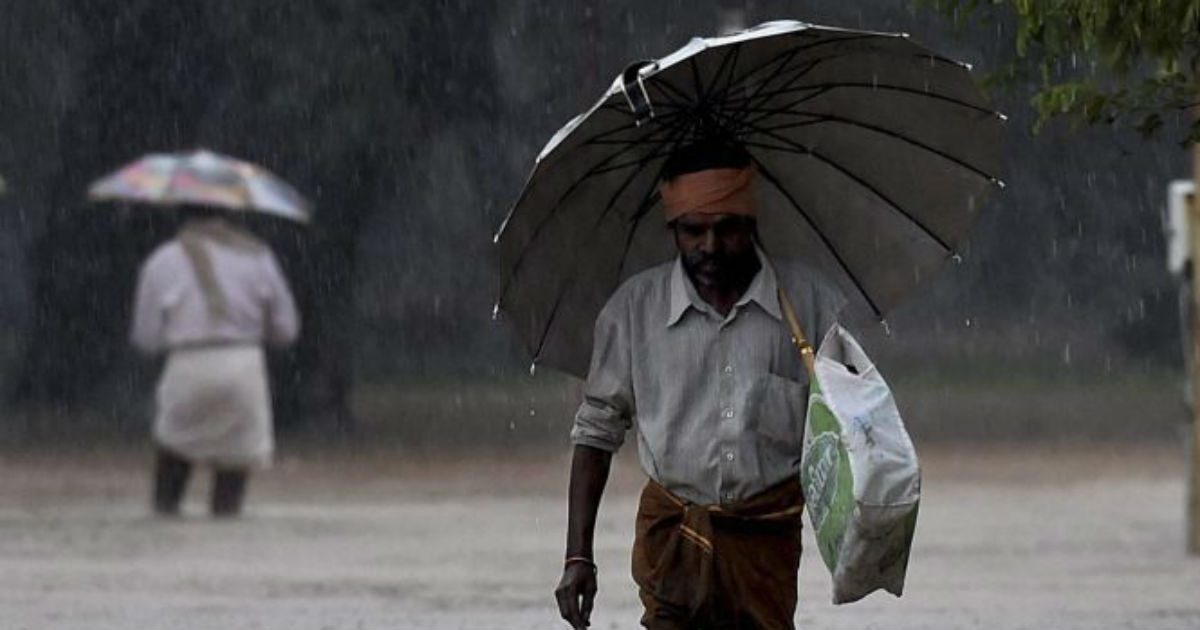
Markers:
<point>712,191</point>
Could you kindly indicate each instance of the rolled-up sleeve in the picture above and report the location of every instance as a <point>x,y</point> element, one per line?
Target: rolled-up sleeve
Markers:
<point>607,411</point>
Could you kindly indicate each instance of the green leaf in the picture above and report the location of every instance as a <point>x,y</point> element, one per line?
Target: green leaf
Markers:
<point>1149,125</point>
<point>1097,61</point>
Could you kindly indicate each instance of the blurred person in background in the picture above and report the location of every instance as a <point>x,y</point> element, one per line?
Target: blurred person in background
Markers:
<point>210,299</point>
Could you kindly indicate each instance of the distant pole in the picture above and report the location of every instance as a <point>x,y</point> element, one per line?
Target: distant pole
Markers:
<point>1193,519</point>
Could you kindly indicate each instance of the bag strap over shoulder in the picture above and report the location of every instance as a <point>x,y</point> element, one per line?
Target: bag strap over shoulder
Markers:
<point>801,342</point>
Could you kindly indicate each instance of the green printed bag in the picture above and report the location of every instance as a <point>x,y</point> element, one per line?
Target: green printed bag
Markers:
<point>859,470</point>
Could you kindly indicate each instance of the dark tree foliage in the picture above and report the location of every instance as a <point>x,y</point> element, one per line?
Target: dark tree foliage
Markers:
<point>1099,61</point>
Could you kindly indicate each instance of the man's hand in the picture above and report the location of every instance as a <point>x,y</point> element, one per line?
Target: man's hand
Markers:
<point>577,589</point>
<point>575,594</point>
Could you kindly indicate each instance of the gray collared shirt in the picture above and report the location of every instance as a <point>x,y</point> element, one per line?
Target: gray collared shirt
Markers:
<point>718,402</point>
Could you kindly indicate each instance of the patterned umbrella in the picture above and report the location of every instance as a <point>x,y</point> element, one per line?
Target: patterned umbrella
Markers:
<point>874,156</point>
<point>202,178</point>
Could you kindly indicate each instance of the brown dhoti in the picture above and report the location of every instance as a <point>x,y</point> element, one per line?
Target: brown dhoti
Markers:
<point>710,566</point>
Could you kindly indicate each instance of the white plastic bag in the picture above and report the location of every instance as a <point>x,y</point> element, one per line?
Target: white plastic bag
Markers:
<point>860,474</point>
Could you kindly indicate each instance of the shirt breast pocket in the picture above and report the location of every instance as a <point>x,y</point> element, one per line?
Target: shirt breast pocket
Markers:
<point>779,405</point>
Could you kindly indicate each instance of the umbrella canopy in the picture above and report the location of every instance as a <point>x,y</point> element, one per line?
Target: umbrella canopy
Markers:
<point>202,178</point>
<point>874,156</point>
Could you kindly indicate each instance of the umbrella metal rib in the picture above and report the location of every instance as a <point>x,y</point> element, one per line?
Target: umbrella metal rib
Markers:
<point>829,118</point>
<point>574,186</point>
<point>800,149</point>
<point>883,87</point>
<point>789,109</point>
<point>644,206</point>
<point>633,126</point>
<point>535,173</point>
<point>709,97</point>
<point>770,177</point>
<point>816,119</point>
<point>732,59</point>
<point>786,57</point>
<point>860,180</point>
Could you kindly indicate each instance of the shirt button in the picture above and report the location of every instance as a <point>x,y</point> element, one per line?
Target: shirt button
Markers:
<point>728,456</point>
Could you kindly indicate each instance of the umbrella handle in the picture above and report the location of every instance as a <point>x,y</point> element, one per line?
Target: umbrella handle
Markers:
<point>633,86</point>
<point>802,346</point>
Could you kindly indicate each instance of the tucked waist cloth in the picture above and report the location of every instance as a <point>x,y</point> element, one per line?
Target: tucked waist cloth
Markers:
<point>718,566</point>
<point>214,406</point>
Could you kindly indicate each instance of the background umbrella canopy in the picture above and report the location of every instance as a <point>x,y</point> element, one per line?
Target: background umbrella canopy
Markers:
<point>202,178</point>
<point>874,157</point>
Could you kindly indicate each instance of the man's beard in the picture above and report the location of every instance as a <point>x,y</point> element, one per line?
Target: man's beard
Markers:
<point>720,271</point>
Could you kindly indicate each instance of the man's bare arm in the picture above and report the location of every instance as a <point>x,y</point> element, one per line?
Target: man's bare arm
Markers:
<point>576,591</point>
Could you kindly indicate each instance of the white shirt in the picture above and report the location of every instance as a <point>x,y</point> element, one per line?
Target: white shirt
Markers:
<point>170,309</point>
<point>718,402</point>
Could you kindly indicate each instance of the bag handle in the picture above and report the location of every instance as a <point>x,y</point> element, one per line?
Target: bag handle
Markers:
<point>798,339</point>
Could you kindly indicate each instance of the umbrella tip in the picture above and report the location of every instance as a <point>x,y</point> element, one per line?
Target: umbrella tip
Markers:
<point>956,257</point>
<point>999,183</point>
<point>1002,116</point>
<point>503,226</point>
<point>967,65</point>
<point>533,368</point>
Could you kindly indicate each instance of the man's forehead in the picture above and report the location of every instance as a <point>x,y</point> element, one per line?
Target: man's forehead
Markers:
<point>705,219</point>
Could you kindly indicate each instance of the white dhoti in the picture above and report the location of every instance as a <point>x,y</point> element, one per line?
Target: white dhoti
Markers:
<point>214,406</point>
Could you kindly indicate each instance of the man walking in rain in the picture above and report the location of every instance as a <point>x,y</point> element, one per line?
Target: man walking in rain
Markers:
<point>696,357</point>
<point>211,298</point>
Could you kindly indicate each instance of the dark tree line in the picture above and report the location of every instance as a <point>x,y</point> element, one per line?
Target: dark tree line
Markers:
<point>411,126</point>
<point>341,98</point>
